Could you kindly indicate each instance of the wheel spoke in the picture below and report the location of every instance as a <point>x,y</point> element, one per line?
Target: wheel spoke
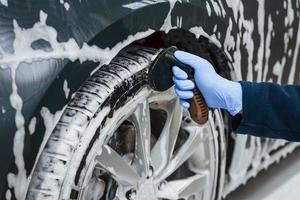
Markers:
<point>141,119</point>
<point>163,149</point>
<point>185,151</point>
<point>183,188</point>
<point>114,164</point>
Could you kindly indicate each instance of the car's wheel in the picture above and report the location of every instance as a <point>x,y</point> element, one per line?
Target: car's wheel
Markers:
<point>118,139</point>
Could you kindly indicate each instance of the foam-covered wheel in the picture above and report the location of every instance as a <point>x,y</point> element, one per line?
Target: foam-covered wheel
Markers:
<point>118,139</point>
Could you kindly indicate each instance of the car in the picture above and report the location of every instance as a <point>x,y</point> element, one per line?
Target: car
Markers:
<point>78,119</point>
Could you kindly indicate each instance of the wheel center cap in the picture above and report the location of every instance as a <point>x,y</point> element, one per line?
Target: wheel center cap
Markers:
<point>147,191</point>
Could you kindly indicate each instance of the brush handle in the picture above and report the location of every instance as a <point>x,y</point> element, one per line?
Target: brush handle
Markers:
<point>198,108</point>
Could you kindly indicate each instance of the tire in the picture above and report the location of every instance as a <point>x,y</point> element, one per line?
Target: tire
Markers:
<point>99,151</point>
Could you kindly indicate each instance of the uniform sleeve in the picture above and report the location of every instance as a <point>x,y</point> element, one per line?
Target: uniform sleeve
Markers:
<point>269,110</point>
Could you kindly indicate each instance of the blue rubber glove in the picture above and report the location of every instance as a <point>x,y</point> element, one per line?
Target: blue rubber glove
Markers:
<point>217,91</point>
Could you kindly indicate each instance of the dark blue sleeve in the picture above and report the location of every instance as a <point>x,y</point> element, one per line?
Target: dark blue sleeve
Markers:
<point>270,110</point>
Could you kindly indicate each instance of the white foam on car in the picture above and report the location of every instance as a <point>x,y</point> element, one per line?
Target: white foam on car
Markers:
<point>3,110</point>
<point>261,25</point>
<point>72,51</point>
<point>69,50</point>
<point>268,47</point>
<point>199,31</point>
<point>24,53</point>
<point>295,57</point>
<point>65,4</point>
<point>66,89</point>
<point>32,125</point>
<point>208,8</point>
<point>167,25</point>
<point>4,2</point>
<point>141,4</point>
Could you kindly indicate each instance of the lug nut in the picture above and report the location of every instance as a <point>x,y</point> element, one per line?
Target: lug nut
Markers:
<point>186,119</point>
<point>150,173</point>
<point>162,185</point>
<point>131,194</point>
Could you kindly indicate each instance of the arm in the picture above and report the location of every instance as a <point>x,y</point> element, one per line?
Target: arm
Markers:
<point>260,109</point>
<point>269,110</point>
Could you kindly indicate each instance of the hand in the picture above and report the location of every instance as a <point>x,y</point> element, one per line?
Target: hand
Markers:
<point>217,91</point>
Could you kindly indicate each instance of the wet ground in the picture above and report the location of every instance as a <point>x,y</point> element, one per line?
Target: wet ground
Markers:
<point>280,181</point>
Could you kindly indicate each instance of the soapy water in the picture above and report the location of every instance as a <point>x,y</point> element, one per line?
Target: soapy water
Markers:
<point>23,52</point>
<point>4,2</point>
